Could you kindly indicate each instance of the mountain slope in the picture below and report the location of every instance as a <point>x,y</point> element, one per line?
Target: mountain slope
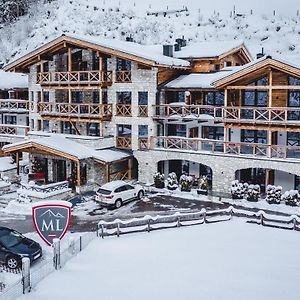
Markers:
<point>157,23</point>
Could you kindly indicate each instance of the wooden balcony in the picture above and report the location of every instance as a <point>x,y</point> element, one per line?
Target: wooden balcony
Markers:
<point>252,115</point>
<point>14,105</point>
<point>262,115</point>
<point>143,111</point>
<point>123,76</point>
<point>75,78</point>
<point>123,110</point>
<point>123,142</point>
<point>10,130</point>
<point>229,148</point>
<point>121,175</point>
<point>180,110</point>
<point>78,110</point>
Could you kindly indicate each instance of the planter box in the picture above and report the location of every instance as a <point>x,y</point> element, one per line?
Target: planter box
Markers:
<point>202,192</point>
<point>160,185</point>
<point>184,190</point>
<point>172,188</point>
<point>236,197</point>
<point>273,202</point>
<point>252,199</point>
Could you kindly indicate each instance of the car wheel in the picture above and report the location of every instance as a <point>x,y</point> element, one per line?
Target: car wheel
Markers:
<point>118,203</point>
<point>140,195</point>
<point>12,262</point>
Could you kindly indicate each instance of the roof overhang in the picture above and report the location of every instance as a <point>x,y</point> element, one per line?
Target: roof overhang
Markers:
<point>268,62</point>
<point>63,42</point>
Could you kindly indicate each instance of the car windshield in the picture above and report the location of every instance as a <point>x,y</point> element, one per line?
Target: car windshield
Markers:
<point>10,238</point>
<point>104,192</point>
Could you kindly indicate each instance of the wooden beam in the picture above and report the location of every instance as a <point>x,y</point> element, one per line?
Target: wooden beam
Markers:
<point>107,172</point>
<point>225,97</point>
<point>18,162</point>
<point>130,168</point>
<point>69,59</point>
<point>78,173</point>
<point>270,88</point>
<point>69,96</point>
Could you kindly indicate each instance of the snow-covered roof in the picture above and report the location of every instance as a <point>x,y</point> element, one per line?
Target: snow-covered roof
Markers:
<point>261,62</point>
<point>72,148</point>
<point>12,80</point>
<point>198,80</point>
<point>133,49</point>
<point>208,49</point>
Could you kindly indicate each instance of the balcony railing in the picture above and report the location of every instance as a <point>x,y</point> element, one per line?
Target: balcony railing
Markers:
<point>181,110</point>
<point>143,111</point>
<point>14,104</point>
<point>75,77</point>
<point>7,129</point>
<point>78,109</point>
<point>231,148</point>
<point>274,115</point>
<point>123,110</point>
<point>123,76</point>
<point>143,144</point>
<point>262,114</point>
<point>123,142</point>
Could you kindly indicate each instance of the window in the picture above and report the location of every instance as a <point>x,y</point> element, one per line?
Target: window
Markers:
<point>46,125</point>
<point>214,98</point>
<point>293,138</point>
<point>129,187</point>
<point>123,97</point>
<point>96,97</point>
<point>213,132</point>
<point>93,129</point>
<point>123,65</point>
<point>77,96</point>
<point>294,95</point>
<point>123,130</point>
<point>12,120</point>
<point>256,97</point>
<point>143,130</point>
<point>254,136</point>
<point>46,96</point>
<point>227,64</point>
<point>143,98</point>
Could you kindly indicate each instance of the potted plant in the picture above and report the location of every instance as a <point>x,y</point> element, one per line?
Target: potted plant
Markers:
<point>238,189</point>
<point>186,183</point>
<point>273,194</point>
<point>172,181</point>
<point>202,185</point>
<point>252,193</point>
<point>159,180</point>
<point>291,198</point>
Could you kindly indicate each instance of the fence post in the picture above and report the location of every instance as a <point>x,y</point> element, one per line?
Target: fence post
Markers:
<point>80,243</point>
<point>262,219</point>
<point>178,221</point>
<point>204,215</point>
<point>102,231</point>
<point>294,224</point>
<point>148,225</point>
<point>118,229</point>
<point>97,233</point>
<point>72,245</point>
<point>25,274</point>
<point>56,253</point>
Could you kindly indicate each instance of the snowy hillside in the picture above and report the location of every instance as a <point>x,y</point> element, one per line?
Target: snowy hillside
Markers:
<point>157,22</point>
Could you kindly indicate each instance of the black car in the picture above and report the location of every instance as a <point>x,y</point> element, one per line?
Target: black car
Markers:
<point>14,246</point>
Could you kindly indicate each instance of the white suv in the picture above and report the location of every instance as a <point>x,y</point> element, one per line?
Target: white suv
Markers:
<point>116,193</point>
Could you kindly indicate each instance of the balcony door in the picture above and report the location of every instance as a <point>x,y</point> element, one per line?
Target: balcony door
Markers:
<point>59,170</point>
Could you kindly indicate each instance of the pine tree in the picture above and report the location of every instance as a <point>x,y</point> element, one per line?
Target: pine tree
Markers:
<point>12,9</point>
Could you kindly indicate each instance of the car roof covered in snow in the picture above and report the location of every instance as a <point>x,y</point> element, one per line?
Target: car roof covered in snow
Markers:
<point>113,185</point>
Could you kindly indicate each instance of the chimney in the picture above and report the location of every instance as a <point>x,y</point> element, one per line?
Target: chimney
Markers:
<point>181,41</point>
<point>129,38</point>
<point>168,50</point>
<point>177,47</point>
<point>261,54</point>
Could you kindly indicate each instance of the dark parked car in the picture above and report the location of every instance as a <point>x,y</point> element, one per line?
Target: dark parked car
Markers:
<point>14,246</point>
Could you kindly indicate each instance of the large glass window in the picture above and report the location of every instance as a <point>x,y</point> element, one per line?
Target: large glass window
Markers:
<point>93,129</point>
<point>12,120</point>
<point>256,97</point>
<point>123,65</point>
<point>254,136</point>
<point>293,138</point>
<point>123,130</point>
<point>214,98</point>
<point>213,133</point>
<point>143,130</point>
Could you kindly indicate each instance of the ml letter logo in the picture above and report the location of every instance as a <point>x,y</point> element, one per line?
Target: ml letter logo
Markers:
<point>51,220</point>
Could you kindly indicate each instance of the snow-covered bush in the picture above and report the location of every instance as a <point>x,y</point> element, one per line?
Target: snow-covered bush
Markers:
<point>159,180</point>
<point>186,183</point>
<point>273,194</point>
<point>238,190</point>
<point>172,181</point>
<point>291,198</point>
<point>202,185</point>
<point>252,193</point>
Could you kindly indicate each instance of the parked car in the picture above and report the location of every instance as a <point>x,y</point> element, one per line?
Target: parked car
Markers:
<point>14,246</point>
<point>116,193</point>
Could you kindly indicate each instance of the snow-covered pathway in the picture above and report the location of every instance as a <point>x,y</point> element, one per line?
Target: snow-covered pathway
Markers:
<point>231,260</point>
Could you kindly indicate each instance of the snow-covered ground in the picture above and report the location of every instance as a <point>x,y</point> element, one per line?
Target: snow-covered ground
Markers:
<point>228,260</point>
